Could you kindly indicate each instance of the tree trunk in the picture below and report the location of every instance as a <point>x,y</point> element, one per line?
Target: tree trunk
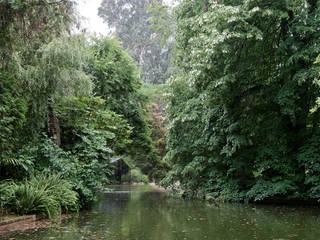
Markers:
<point>204,5</point>
<point>54,127</point>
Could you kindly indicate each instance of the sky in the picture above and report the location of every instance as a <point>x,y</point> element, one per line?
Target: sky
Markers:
<point>92,22</point>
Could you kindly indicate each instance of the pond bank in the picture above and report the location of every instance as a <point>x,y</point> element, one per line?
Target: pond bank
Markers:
<point>14,223</point>
<point>158,188</point>
<point>154,186</point>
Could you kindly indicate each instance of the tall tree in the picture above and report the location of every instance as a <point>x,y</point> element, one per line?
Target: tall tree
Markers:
<point>57,73</point>
<point>132,24</point>
<point>24,27</point>
<point>117,82</point>
<point>243,109</point>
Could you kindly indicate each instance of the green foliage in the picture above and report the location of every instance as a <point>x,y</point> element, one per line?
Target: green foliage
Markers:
<point>86,166</point>
<point>156,112</point>
<point>88,116</point>
<point>56,74</point>
<point>59,70</point>
<point>158,135</point>
<point>50,122</point>
<point>116,76</point>
<point>58,91</point>
<point>133,27</point>
<point>243,108</point>
<point>156,94</point>
<point>117,83</point>
<point>135,176</point>
<point>157,124</point>
<point>12,116</point>
<point>308,157</point>
<point>26,30</point>
<point>161,21</point>
<point>91,135</point>
<point>82,167</point>
<point>47,194</point>
<point>24,25</point>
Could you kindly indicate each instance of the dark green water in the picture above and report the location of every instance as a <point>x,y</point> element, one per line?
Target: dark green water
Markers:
<point>138,213</point>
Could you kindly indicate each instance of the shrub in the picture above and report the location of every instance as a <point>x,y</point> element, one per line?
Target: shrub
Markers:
<point>135,176</point>
<point>46,194</point>
<point>144,179</point>
<point>86,175</point>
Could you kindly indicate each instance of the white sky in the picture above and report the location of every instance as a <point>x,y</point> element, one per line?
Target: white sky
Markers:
<point>92,22</point>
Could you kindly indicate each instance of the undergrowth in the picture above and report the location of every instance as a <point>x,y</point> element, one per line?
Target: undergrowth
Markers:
<point>44,194</point>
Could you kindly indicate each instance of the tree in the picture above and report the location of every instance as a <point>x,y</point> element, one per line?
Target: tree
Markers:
<point>117,82</point>
<point>241,108</point>
<point>24,27</point>
<point>57,74</point>
<point>133,26</point>
<point>82,116</point>
<point>50,121</point>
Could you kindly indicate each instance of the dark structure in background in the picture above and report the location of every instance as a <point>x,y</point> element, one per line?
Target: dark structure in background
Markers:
<point>121,168</point>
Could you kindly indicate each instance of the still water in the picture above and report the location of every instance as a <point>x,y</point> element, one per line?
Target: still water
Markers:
<point>139,213</point>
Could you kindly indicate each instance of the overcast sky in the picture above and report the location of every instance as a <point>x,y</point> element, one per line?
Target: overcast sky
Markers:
<point>92,22</point>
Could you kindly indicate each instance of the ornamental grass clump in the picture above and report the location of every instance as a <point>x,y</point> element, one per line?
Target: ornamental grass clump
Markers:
<point>45,194</point>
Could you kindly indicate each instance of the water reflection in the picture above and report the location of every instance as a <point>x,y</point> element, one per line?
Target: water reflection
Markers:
<point>136,212</point>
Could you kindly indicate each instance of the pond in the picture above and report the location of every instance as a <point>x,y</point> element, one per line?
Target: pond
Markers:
<point>140,213</point>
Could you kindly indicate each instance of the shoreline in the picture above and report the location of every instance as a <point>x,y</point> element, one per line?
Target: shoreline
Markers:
<point>158,188</point>
<point>11,224</point>
<point>154,186</point>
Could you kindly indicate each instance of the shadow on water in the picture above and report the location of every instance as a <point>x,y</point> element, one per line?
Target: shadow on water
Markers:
<point>137,212</point>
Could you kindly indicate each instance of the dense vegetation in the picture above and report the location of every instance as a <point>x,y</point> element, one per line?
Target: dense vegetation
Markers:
<point>69,103</point>
<point>242,121</point>
<point>243,110</point>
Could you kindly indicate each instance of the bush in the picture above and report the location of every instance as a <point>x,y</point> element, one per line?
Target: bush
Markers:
<point>46,194</point>
<point>144,179</point>
<point>135,176</point>
<point>86,175</point>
